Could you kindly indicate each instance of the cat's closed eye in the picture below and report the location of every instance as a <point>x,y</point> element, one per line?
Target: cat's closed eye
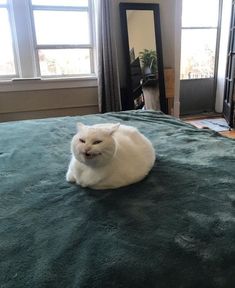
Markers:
<point>82,140</point>
<point>97,142</point>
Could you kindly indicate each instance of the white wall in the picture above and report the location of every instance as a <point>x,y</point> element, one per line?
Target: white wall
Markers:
<point>178,13</point>
<point>28,104</point>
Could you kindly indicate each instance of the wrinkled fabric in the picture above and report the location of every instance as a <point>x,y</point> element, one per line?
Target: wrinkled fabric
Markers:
<point>176,228</point>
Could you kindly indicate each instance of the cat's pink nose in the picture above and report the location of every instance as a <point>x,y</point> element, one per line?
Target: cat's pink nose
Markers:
<point>87,149</point>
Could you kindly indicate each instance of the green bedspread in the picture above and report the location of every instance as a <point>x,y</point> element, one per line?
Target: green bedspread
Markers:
<point>174,229</point>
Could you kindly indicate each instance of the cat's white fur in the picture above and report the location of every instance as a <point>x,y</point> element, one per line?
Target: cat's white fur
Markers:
<point>109,156</point>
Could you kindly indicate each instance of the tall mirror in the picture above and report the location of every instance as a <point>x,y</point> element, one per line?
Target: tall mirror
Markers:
<point>140,26</point>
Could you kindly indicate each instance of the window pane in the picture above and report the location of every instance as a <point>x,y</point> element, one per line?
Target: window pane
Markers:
<point>64,61</point>
<point>3,2</point>
<point>83,3</point>
<point>200,13</point>
<point>62,27</point>
<point>7,66</point>
<point>198,53</point>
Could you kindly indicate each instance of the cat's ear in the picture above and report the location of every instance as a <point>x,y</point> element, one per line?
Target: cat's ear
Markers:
<point>113,128</point>
<point>80,126</point>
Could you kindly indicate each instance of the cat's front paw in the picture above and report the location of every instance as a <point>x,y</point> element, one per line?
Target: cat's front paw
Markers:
<point>70,178</point>
<point>82,183</point>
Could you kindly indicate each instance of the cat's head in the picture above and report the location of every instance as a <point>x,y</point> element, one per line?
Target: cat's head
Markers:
<point>94,145</point>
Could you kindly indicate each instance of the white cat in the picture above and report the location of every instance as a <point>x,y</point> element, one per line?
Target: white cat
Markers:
<point>109,156</point>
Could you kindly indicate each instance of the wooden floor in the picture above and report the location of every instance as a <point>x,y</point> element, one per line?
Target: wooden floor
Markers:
<point>230,134</point>
<point>193,120</point>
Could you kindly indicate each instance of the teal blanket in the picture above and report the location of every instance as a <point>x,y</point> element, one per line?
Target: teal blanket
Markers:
<point>174,229</point>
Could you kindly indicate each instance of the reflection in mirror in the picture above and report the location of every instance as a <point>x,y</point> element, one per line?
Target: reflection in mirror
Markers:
<point>145,79</point>
<point>142,46</point>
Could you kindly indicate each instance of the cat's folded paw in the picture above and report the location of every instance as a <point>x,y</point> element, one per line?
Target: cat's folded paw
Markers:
<point>70,178</point>
<point>82,184</point>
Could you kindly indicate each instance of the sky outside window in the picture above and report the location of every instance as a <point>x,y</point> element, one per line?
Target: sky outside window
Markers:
<point>200,13</point>
<point>62,27</point>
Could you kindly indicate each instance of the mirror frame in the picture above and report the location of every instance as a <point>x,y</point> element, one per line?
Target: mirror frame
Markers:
<point>128,99</point>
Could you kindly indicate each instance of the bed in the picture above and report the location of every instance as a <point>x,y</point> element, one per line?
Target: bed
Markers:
<point>176,228</point>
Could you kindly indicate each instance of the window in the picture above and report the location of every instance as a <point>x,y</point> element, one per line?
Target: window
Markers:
<point>7,57</point>
<point>199,34</point>
<point>51,38</point>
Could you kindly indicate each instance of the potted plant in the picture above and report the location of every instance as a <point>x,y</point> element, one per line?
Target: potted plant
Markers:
<point>148,60</point>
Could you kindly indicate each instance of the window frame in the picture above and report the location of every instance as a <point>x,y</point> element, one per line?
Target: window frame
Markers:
<point>62,46</point>
<point>26,57</point>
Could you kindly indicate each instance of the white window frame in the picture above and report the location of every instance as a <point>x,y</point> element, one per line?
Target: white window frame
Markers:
<point>25,51</point>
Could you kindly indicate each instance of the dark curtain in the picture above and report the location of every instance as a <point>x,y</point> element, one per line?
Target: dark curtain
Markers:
<point>108,79</point>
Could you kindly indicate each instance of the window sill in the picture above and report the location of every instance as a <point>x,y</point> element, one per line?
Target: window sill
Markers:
<point>45,84</point>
